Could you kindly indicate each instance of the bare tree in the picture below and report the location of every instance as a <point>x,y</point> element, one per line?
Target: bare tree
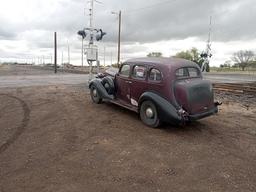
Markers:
<point>243,58</point>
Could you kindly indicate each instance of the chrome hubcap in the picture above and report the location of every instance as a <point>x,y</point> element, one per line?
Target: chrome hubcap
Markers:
<point>149,113</point>
<point>94,92</point>
<point>106,86</point>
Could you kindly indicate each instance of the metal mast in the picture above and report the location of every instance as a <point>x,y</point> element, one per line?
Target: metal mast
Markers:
<point>206,55</point>
<point>92,50</point>
<point>91,36</point>
<point>208,48</point>
<point>91,21</point>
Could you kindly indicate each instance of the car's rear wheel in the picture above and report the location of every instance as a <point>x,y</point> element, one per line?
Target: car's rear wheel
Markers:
<point>95,95</point>
<point>149,115</point>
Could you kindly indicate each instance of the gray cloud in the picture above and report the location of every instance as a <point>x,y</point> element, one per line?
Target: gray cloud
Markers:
<point>7,30</point>
<point>143,21</point>
<point>164,21</point>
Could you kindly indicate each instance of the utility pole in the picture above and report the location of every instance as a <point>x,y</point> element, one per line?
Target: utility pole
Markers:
<point>55,52</point>
<point>119,35</point>
<point>119,38</point>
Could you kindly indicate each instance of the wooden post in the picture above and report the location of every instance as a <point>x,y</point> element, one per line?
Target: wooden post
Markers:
<point>55,52</point>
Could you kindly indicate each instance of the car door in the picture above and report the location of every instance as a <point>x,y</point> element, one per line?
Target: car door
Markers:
<point>123,83</point>
<point>138,83</point>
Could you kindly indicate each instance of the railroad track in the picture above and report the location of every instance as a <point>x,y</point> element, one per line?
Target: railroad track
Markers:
<point>242,88</point>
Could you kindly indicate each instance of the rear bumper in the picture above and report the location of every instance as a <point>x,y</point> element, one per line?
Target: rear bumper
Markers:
<point>203,115</point>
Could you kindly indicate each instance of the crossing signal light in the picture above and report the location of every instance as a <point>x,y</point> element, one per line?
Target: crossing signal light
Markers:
<point>82,33</point>
<point>100,35</point>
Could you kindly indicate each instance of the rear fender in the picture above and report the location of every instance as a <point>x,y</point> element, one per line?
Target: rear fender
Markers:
<point>100,88</point>
<point>167,112</point>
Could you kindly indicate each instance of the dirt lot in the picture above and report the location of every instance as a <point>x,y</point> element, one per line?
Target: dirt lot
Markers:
<point>53,138</point>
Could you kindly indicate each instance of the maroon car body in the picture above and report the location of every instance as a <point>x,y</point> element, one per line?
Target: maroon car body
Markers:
<point>159,89</point>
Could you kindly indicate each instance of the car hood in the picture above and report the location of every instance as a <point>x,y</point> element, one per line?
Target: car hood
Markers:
<point>112,71</point>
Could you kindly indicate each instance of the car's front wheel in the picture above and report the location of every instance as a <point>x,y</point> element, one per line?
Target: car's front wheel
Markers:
<point>149,115</point>
<point>95,95</point>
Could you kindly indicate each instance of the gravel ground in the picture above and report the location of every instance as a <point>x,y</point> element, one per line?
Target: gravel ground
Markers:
<point>53,138</point>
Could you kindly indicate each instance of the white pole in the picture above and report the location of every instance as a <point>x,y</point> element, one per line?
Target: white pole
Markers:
<point>62,58</point>
<point>104,56</point>
<point>91,23</point>
<point>91,37</point>
<point>111,59</point>
<point>68,54</point>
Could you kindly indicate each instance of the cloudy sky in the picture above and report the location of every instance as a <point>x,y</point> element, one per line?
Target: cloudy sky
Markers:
<point>167,26</point>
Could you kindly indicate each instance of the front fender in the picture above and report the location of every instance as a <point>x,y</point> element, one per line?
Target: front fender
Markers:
<point>100,88</point>
<point>167,112</point>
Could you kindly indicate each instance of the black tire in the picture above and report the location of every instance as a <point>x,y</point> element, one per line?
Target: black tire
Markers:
<point>151,120</point>
<point>108,84</point>
<point>94,95</point>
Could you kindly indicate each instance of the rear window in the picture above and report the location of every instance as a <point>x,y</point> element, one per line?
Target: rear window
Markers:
<point>187,72</point>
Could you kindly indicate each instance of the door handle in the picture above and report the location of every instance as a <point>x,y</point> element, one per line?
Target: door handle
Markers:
<point>128,82</point>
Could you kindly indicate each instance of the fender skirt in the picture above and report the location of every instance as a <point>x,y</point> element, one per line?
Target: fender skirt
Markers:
<point>167,112</point>
<point>100,88</point>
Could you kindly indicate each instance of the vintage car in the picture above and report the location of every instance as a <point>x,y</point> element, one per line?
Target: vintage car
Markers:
<point>159,89</point>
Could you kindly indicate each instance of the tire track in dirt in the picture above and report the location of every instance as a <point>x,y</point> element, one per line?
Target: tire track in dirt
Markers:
<point>20,129</point>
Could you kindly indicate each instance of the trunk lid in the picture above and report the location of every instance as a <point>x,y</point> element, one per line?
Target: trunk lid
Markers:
<point>194,95</point>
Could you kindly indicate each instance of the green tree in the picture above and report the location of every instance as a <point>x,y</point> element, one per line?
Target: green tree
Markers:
<point>155,54</point>
<point>191,55</point>
<point>243,58</point>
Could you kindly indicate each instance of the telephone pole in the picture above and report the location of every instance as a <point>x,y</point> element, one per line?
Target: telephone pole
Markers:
<point>119,38</point>
<point>119,35</point>
<point>82,57</point>
<point>55,52</point>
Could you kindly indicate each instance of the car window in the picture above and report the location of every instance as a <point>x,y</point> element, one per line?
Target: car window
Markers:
<point>182,72</point>
<point>125,70</point>
<point>193,72</point>
<point>155,75</point>
<point>187,72</point>
<point>139,72</point>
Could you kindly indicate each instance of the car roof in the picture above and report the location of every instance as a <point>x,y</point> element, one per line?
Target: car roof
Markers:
<point>163,61</point>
